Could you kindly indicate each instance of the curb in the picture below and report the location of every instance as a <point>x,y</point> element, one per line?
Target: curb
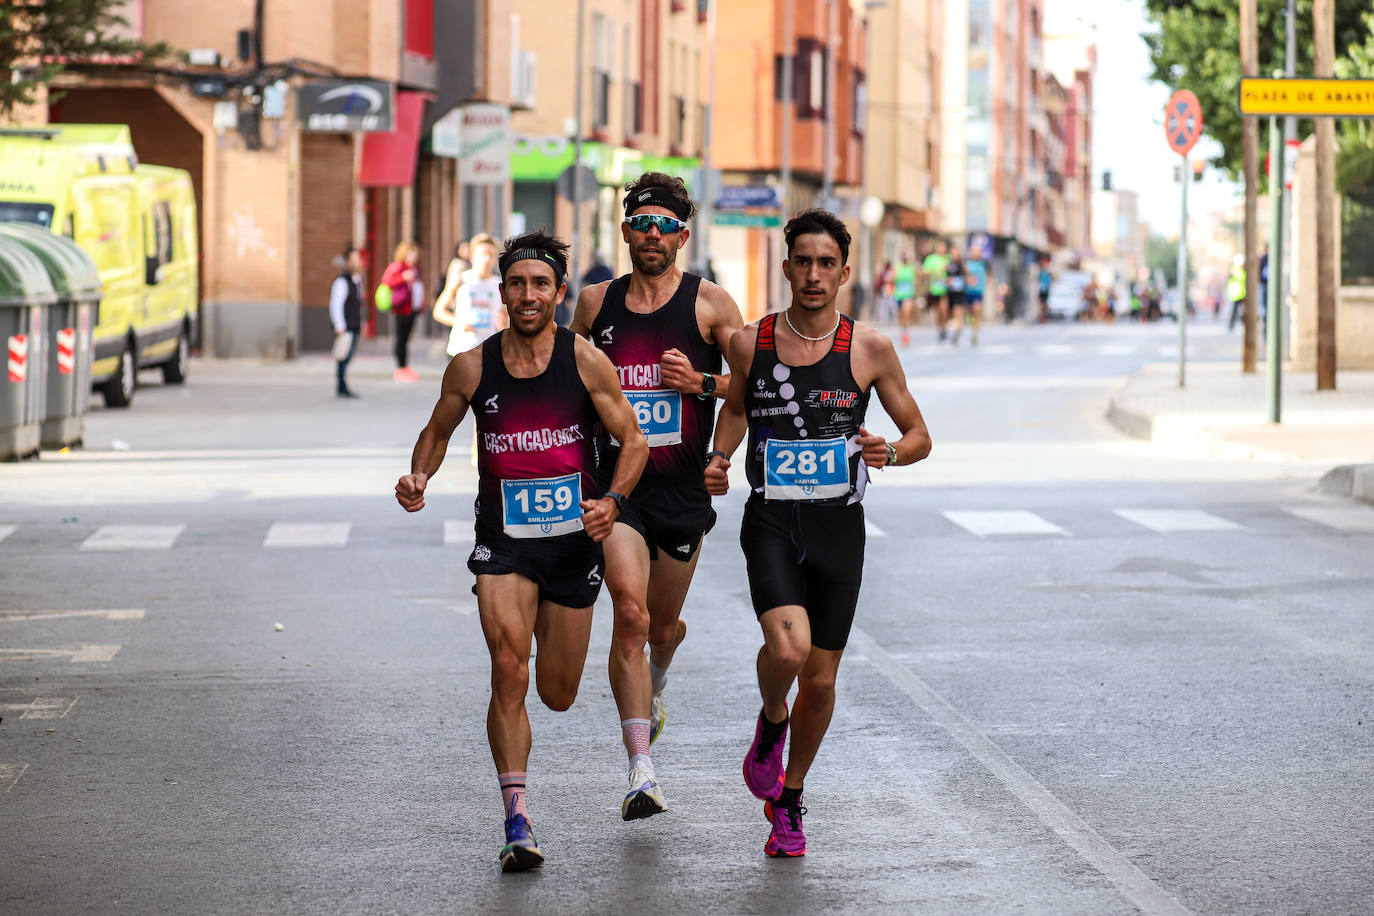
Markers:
<point>1355,481</point>
<point>1186,436</point>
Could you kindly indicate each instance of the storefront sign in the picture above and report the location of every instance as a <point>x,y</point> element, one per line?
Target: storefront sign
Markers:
<point>486,145</point>
<point>345,106</point>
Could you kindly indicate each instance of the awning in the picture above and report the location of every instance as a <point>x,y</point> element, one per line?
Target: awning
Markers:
<point>388,159</point>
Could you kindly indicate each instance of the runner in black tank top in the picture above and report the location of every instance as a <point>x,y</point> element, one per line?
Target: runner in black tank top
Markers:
<point>807,376</point>
<point>664,330</point>
<point>538,392</point>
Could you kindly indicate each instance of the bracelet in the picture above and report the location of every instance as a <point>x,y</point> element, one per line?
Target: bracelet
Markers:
<point>710,455</point>
<point>891,453</point>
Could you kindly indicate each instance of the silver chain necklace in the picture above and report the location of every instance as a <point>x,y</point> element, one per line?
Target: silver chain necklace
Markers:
<point>788,318</point>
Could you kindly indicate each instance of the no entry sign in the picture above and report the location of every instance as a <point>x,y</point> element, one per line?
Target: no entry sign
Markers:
<point>1182,121</point>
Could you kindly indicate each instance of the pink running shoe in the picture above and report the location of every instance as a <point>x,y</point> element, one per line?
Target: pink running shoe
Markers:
<point>763,771</point>
<point>787,841</point>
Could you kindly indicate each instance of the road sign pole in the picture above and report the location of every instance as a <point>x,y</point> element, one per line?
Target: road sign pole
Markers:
<point>1184,178</point>
<point>1274,323</point>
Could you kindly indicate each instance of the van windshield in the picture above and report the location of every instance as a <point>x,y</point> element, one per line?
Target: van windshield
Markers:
<point>38,214</point>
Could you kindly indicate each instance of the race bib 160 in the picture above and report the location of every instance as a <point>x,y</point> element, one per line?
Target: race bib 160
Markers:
<point>804,469</point>
<point>543,507</point>
<point>659,414</point>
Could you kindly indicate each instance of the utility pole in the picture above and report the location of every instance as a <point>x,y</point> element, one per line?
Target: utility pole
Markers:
<point>706,212</point>
<point>789,46</point>
<point>1290,165</point>
<point>1249,66</point>
<point>1323,16</point>
<point>1183,178</point>
<point>573,273</point>
<point>1274,324</point>
<point>832,47</point>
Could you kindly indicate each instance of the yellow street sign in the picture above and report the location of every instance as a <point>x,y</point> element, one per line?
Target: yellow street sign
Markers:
<point>1304,97</point>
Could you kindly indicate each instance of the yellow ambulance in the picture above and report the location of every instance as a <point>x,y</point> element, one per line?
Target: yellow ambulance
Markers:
<point>138,224</point>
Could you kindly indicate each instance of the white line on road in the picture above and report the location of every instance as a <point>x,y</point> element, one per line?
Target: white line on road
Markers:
<point>997,349</point>
<point>1116,350</point>
<point>10,773</point>
<point>306,534</point>
<point>1054,349</point>
<point>873,530</point>
<point>133,537</point>
<point>457,531</point>
<point>11,616</point>
<point>43,707</point>
<point>1166,521</point>
<point>1131,881</point>
<point>1342,518</point>
<point>6,531</point>
<point>80,654</point>
<point>999,522</point>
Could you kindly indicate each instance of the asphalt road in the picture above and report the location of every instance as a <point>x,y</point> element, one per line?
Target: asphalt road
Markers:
<point>1087,676</point>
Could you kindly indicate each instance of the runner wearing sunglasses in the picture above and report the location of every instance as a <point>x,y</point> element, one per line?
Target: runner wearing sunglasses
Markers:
<point>664,330</point>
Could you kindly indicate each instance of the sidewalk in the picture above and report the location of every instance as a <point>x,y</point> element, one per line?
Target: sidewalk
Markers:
<point>1224,414</point>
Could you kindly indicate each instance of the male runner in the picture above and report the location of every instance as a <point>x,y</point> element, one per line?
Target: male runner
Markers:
<point>665,331</point>
<point>537,392</point>
<point>934,267</point>
<point>804,381</point>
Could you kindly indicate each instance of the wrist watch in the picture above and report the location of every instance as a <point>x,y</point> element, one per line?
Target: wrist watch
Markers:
<point>708,386</point>
<point>617,498</point>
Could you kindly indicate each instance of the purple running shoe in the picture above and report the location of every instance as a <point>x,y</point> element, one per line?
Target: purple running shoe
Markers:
<point>787,841</point>
<point>763,766</point>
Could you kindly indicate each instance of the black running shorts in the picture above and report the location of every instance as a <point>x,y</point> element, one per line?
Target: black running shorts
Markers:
<point>807,555</point>
<point>568,569</point>
<point>671,519</point>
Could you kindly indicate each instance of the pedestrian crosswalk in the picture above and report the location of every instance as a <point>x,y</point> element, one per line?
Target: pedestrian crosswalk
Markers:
<point>882,522</point>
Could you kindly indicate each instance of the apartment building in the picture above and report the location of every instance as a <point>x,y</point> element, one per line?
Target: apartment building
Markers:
<point>784,152</point>
<point>1071,58</point>
<point>307,126</point>
<point>643,108</point>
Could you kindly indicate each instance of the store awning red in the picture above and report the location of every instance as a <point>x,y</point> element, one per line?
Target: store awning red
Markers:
<point>388,159</point>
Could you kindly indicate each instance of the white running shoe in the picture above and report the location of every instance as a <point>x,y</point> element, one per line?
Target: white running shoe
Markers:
<point>658,716</point>
<point>645,798</point>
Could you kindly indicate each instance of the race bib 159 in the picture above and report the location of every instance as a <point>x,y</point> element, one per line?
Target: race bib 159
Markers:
<point>805,469</point>
<point>543,507</point>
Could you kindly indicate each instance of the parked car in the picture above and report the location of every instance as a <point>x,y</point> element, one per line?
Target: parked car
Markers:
<point>1066,294</point>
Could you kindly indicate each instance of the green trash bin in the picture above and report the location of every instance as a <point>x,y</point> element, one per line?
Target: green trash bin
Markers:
<point>67,330</point>
<point>25,295</point>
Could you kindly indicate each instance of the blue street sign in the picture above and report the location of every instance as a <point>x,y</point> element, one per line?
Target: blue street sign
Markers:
<point>744,197</point>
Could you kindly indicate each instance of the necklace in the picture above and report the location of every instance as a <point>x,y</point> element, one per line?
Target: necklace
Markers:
<point>788,318</point>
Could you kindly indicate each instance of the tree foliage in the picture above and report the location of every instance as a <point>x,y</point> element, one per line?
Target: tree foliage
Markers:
<point>1196,45</point>
<point>40,38</point>
<point>1355,153</point>
<point>1161,257</point>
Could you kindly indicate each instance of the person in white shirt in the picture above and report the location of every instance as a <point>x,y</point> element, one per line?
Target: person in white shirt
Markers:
<point>346,315</point>
<point>471,303</point>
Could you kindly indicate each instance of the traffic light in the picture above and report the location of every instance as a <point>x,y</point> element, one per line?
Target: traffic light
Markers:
<point>1199,165</point>
<point>1106,179</point>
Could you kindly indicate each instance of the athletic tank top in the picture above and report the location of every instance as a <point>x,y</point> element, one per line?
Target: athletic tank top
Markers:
<point>678,426</point>
<point>536,444</point>
<point>476,303</point>
<point>804,423</point>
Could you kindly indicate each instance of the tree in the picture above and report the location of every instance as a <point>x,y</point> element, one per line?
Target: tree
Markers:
<point>1196,45</point>
<point>1161,257</point>
<point>41,38</point>
<point>1355,143</point>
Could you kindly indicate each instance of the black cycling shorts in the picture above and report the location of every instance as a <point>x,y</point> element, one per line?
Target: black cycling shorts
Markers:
<point>671,519</point>
<point>807,555</point>
<point>568,569</point>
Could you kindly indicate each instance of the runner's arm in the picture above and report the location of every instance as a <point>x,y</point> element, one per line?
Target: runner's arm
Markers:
<point>588,307</point>
<point>603,384</point>
<point>731,424</point>
<point>723,320</point>
<point>890,381</point>
<point>460,380</point>
<point>443,305</point>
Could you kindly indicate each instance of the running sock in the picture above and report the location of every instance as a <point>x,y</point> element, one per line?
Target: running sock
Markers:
<point>790,798</point>
<point>636,735</point>
<point>658,675</point>
<point>513,792</point>
<point>772,731</point>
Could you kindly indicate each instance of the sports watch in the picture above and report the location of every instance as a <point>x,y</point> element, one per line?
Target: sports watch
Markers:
<point>617,498</point>
<point>708,386</point>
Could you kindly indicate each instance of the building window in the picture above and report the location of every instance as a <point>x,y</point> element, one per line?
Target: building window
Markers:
<point>634,108</point>
<point>603,69</point>
<point>678,138</point>
<point>860,105</point>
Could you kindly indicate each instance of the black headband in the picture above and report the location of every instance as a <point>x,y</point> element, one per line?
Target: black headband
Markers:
<point>537,254</point>
<point>658,197</point>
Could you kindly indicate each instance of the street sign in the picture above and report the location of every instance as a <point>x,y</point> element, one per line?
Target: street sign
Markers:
<point>576,184</point>
<point>1182,121</point>
<point>750,220</point>
<point>1306,98</point>
<point>743,197</point>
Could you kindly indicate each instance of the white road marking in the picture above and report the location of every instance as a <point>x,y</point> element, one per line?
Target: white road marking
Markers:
<point>6,531</point>
<point>998,522</point>
<point>873,530</point>
<point>1116,350</point>
<point>997,349</point>
<point>455,604</point>
<point>10,773</point>
<point>308,534</point>
<point>43,708</point>
<point>1133,883</point>
<point>9,616</point>
<point>1167,521</point>
<point>133,537</point>
<point>80,654</point>
<point>1342,518</point>
<point>457,531</point>
<point>1055,349</point>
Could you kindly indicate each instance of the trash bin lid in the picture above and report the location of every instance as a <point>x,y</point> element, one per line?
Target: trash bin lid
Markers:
<point>69,268</point>
<point>23,280</point>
